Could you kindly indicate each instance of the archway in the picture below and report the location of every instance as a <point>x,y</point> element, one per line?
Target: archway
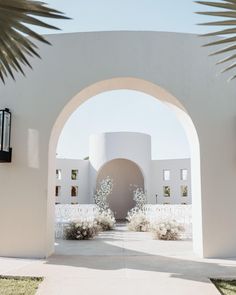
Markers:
<point>126,176</point>
<point>160,94</point>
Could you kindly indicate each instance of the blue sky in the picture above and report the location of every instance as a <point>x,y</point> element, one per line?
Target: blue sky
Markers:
<point>126,110</point>
<point>104,15</point>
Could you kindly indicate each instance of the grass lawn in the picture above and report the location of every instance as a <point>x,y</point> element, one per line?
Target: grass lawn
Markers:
<point>226,287</point>
<point>19,285</point>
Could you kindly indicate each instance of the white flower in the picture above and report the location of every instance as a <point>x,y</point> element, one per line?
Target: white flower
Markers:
<point>167,230</point>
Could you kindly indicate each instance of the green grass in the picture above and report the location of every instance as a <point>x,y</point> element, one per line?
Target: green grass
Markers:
<point>226,287</point>
<point>19,285</point>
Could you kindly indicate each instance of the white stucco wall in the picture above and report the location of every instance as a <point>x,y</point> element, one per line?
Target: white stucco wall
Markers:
<point>66,166</point>
<point>157,181</point>
<point>133,146</point>
<point>171,67</point>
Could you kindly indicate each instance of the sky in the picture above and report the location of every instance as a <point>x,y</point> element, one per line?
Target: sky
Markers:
<point>108,15</point>
<point>125,110</point>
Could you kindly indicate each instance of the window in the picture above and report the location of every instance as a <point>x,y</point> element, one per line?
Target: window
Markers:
<point>58,174</point>
<point>74,174</point>
<point>183,203</point>
<point>166,191</point>
<point>74,191</point>
<point>184,190</point>
<point>166,175</point>
<point>57,191</point>
<point>166,203</point>
<point>184,174</point>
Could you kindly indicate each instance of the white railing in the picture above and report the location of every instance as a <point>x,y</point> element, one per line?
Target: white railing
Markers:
<point>180,213</point>
<point>64,213</point>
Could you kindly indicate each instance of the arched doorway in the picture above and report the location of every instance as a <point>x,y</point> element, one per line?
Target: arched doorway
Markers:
<point>162,95</point>
<point>40,105</point>
<point>126,176</point>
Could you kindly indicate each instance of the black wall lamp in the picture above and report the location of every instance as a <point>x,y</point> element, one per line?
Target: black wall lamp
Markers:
<point>5,136</point>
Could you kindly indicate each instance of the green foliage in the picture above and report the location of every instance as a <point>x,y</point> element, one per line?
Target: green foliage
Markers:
<point>15,45</point>
<point>227,10</point>
<point>19,285</point>
<point>226,287</point>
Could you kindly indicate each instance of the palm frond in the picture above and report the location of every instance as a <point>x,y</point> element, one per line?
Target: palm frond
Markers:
<point>15,45</point>
<point>229,13</point>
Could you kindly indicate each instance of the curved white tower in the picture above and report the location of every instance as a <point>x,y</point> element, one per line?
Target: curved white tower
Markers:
<point>132,146</point>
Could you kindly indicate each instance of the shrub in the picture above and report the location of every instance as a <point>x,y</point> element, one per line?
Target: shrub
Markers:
<point>167,230</point>
<point>100,197</point>
<point>140,198</point>
<point>81,230</point>
<point>137,221</point>
<point>105,220</point>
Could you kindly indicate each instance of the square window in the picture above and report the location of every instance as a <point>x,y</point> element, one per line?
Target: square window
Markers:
<point>58,174</point>
<point>57,191</point>
<point>166,191</point>
<point>184,174</point>
<point>74,174</point>
<point>184,190</point>
<point>74,191</point>
<point>74,203</point>
<point>166,175</point>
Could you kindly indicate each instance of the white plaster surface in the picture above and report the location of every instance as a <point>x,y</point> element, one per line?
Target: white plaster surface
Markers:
<point>157,181</point>
<point>82,181</point>
<point>126,177</point>
<point>122,262</point>
<point>132,146</point>
<point>173,68</point>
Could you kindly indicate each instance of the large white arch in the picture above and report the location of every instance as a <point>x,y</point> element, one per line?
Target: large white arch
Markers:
<point>80,65</point>
<point>126,176</point>
<point>160,94</point>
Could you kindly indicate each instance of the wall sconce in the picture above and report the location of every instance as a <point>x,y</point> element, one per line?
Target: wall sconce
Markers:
<point>5,136</point>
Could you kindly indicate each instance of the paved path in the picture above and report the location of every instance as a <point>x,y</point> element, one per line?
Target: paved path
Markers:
<point>122,262</point>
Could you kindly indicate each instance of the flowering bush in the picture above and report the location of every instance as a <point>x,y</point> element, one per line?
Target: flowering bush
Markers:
<point>140,198</point>
<point>137,221</point>
<point>81,230</point>
<point>167,230</point>
<point>100,197</point>
<point>105,220</point>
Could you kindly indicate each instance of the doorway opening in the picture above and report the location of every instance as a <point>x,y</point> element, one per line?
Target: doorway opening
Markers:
<point>161,95</point>
<point>126,175</point>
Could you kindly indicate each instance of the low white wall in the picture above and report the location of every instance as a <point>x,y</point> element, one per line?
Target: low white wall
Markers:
<point>66,165</point>
<point>175,182</point>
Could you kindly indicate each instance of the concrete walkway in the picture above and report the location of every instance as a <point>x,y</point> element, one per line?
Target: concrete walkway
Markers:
<point>122,262</point>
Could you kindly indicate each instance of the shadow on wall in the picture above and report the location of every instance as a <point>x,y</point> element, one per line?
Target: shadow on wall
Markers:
<point>126,175</point>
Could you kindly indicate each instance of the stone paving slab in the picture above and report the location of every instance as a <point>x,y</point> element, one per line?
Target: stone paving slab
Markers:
<point>122,262</point>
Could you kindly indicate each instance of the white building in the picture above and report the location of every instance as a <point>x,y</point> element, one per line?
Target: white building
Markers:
<point>171,67</point>
<point>126,158</point>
